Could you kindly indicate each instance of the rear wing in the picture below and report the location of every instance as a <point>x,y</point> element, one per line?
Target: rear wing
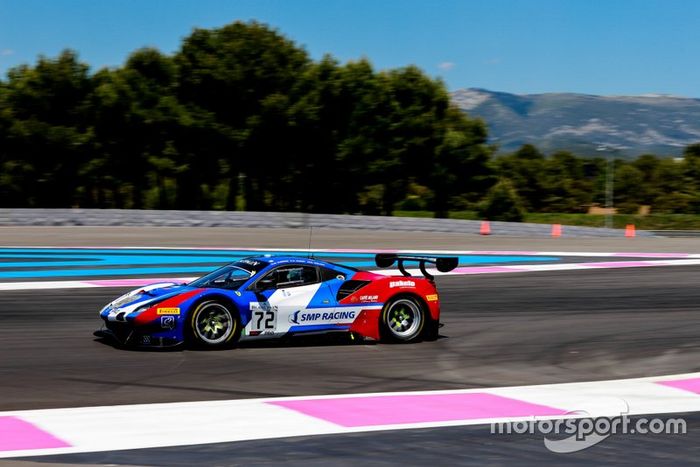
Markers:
<point>442,263</point>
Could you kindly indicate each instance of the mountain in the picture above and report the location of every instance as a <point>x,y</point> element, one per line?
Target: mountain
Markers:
<point>581,123</point>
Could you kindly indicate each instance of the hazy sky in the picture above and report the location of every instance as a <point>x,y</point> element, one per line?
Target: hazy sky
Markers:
<point>590,46</point>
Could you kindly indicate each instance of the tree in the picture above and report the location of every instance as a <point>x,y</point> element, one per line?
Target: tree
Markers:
<point>140,129</point>
<point>649,188</point>
<point>319,123</point>
<point>417,106</point>
<point>502,203</point>
<point>462,162</point>
<point>524,168</point>
<point>237,103</point>
<point>672,185</point>
<point>628,179</point>
<point>48,137</point>
<point>565,185</point>
<point>236,74</point>
<point>10,193</point>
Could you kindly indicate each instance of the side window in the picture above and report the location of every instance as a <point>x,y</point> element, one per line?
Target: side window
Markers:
<point>229,279</point>
<point>329,274</point>
<point>292,276</point>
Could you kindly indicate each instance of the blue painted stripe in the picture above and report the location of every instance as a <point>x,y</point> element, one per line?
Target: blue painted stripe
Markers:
<point>118,260</point>
<point>106,272</point>
<point>168,252</point>
<point>98,262</point>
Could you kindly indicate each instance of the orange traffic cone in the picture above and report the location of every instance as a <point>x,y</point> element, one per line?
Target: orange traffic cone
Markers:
<point>485,228</point>
<point>556,230</point>
<point>630,231</point>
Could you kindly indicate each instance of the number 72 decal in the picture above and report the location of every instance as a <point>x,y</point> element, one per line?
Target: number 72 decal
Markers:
<point>263,316</point>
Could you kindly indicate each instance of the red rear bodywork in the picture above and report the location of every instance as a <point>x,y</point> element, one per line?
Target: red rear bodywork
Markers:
<point>380,290</point>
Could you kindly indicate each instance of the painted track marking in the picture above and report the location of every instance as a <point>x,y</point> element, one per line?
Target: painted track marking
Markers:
<point>109,428</point>
<point>37,263</point>
<point>475,270</point>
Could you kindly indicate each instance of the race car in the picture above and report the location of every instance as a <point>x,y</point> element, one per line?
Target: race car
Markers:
<point>265,297</point>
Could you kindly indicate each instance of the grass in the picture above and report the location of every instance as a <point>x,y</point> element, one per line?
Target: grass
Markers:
<point>650,222</point>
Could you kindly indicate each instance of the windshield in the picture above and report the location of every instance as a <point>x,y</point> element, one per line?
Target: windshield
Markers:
<point>227,277</point>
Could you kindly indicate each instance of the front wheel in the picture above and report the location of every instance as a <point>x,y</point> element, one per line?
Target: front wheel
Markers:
<point>213,325</point>
<point>403,319</point>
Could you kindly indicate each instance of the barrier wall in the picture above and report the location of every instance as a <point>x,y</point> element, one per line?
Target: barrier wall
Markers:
<point>239,219</point>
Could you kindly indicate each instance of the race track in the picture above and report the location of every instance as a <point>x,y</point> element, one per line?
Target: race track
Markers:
<point>499,330</point>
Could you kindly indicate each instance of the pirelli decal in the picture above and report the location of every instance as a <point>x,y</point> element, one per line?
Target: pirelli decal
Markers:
<point>432,298</point>
<point>168,311</point>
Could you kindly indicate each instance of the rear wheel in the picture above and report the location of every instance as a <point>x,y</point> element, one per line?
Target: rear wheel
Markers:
<point>213,325</point>
<point>403,319</point>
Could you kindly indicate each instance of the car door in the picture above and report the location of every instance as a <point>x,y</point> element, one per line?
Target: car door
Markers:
<point>294,299</point>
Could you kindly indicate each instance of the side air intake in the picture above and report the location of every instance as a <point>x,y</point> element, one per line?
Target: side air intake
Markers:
<point>349,288</point>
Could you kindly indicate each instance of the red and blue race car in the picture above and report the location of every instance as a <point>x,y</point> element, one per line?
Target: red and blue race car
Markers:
<point>264,297</point>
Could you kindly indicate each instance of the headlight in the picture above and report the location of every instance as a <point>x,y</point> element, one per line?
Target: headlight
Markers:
<point>126,298</point>
<point>143,308</point>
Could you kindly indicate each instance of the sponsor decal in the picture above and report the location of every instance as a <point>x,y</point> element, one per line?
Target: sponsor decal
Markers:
<point>394,284</point>
<point>369,298</point>
<point>237,293</point>
<point>432,298</point>
<point>263,317</point>
<point>249,262</point>
<point>340,277</point>
<point>167,322</point>
<point>146,340</point>
<point>315,317</point>
<point>168,311</point>
<point>265,306</point>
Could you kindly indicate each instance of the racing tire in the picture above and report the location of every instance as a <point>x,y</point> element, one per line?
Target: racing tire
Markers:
<point>403,319</point>
<point>214,325</point>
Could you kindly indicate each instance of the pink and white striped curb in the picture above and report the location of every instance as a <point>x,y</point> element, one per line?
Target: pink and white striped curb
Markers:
<point>108,428</point>
<point>18,434</point>
<point>423,408</point>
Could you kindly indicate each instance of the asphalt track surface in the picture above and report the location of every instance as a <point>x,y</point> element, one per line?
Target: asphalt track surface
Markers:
<point>500,330</point>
